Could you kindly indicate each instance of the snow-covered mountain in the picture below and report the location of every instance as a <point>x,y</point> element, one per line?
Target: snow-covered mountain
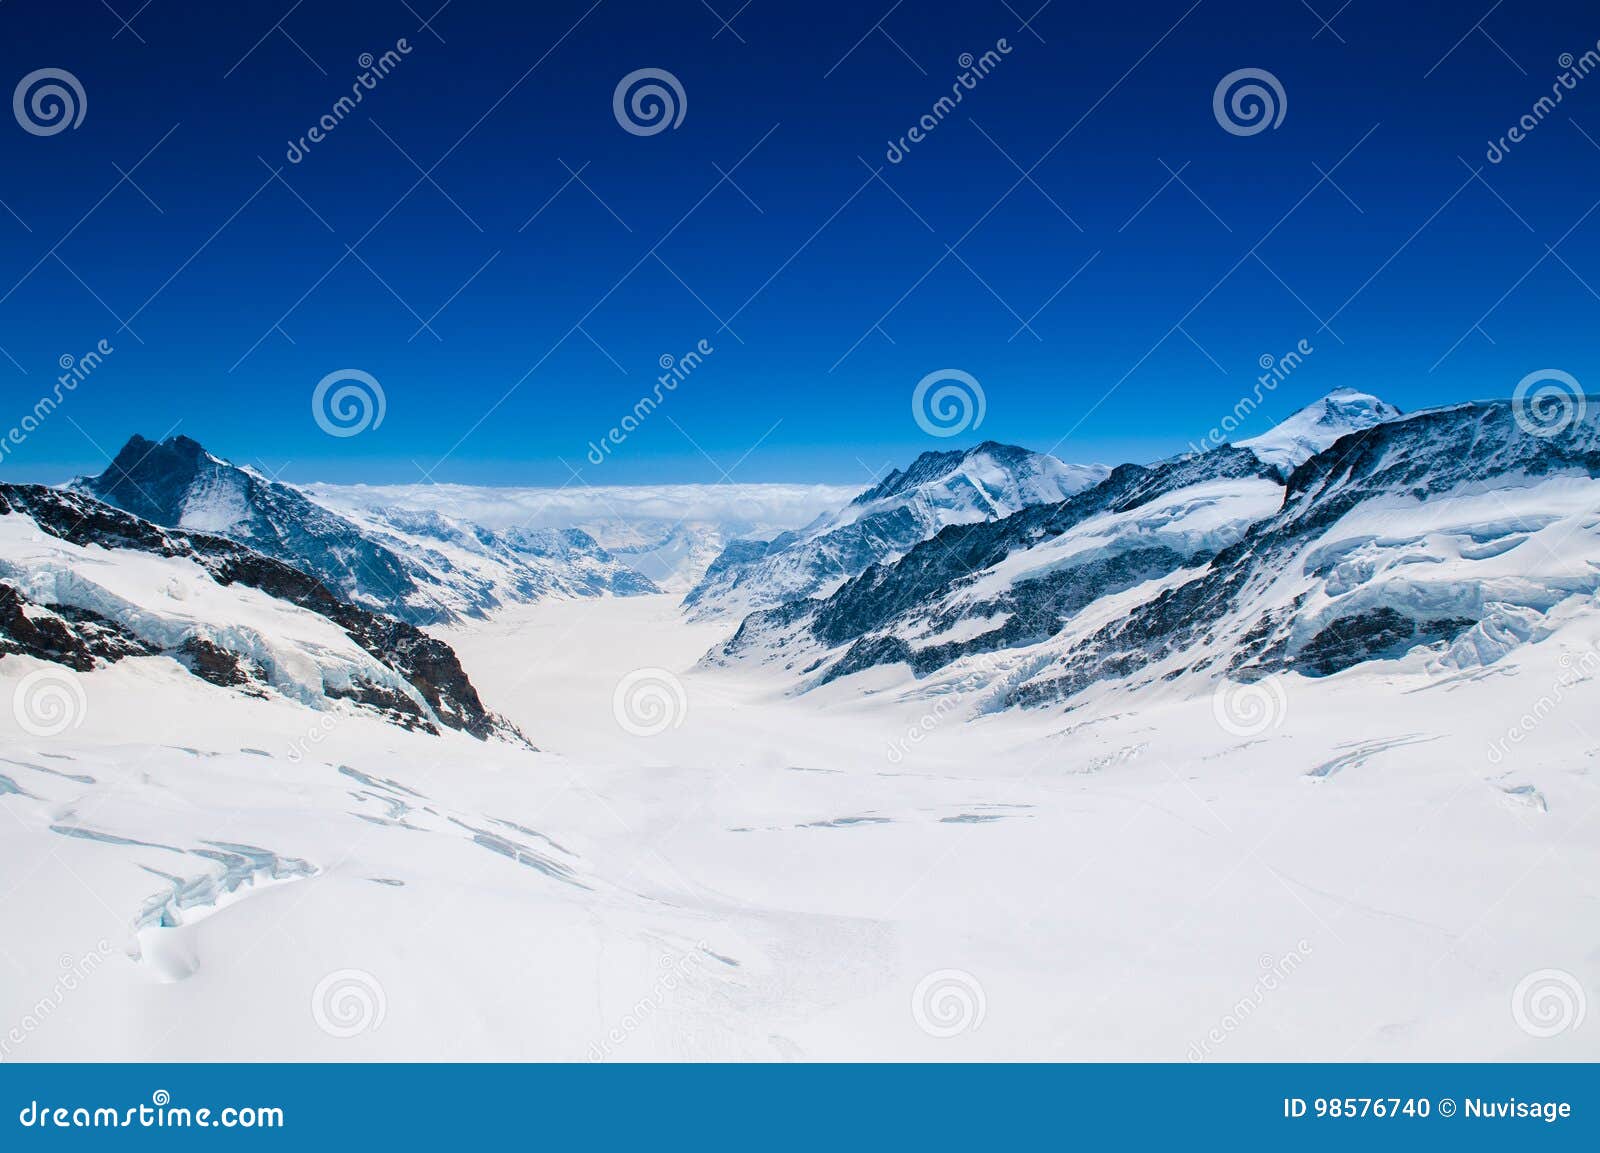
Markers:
<point>417,567</point>
<point>937,490</point>
<point>83,584</point>
<point>1456,531</point>
<point>1296,440</point>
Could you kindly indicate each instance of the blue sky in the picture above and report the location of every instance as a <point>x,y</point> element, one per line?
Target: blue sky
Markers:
<point>1155,257</point>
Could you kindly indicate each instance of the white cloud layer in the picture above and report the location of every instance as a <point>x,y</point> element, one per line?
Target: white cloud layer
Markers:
<point>767,506</point>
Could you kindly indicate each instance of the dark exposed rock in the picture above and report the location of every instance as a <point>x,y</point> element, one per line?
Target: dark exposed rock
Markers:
<point>1038,609</point>
<point>1376,635</point>
<point>211,662</point>
<point>936,566</point>
<point>396,706</point>
<point>73,637</point>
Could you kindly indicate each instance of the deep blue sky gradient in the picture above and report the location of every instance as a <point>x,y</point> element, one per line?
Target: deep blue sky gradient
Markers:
<point>1113,91</point>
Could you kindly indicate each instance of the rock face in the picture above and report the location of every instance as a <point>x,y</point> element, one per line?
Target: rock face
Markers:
<point>404,661</point>
<point>1453,530</point>
<point>907,507</point>
<point>77,638</point>
<point>418,567</point>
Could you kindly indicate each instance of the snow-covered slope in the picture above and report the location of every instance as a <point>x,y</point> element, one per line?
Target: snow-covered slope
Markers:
<point>907,507</point>
<point>422,568</point>
<point>1296,440</point>
<point>1454,531</point>
<point>83,584</point>
<point>1010,582</point>
<point>1457,531</point>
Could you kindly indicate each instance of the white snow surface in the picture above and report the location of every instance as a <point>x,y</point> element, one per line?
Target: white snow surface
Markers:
<point>1202,517</point>
<point>773,877</point>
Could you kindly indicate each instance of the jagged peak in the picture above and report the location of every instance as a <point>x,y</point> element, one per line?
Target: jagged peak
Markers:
<point>180,446</point>
<point>150,478</point>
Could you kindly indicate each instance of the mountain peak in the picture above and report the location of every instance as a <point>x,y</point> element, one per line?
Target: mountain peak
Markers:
<point>1303,434</point>
<point>180,446</point>
<point>989,481</point>
<point>148,478</point>
<point>935,465</point>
